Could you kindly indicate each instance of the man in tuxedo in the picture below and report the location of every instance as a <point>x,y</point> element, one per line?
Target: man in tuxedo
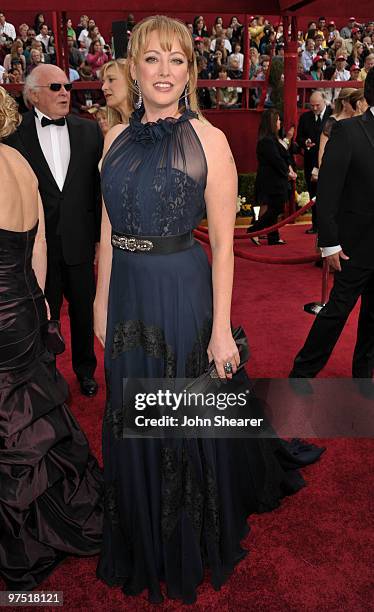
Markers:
<point>64,152</point>
<point>308,136</point>
<point>346,236</point>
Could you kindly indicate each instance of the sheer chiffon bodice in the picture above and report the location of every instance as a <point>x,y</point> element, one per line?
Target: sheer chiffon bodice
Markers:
<point>154,177</point>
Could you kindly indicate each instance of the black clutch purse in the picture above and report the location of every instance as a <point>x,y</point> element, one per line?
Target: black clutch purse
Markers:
<point>210,381</point>
<point>52,337</point>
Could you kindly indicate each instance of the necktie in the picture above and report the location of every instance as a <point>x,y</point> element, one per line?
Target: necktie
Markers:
<point>318,120</point>
<point>46,121</point>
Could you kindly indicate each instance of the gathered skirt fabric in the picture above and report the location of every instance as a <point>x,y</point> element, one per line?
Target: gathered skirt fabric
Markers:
<point>176,508</point>
<point>50,485</point>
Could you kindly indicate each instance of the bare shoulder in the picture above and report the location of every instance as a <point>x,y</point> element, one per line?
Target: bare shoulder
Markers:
<point>213,141</point>
<point>209,135</point>
<point>113,133</point>
<point>14,159</point>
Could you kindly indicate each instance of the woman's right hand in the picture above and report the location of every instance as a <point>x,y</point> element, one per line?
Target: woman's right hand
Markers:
<point>100,318</point>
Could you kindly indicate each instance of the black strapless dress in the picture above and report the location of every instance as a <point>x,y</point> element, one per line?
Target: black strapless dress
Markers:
<point>50,485</point>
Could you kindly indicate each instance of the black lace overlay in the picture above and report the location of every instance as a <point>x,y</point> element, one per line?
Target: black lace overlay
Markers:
<point>111,502</point>
<point>154,177</point>
<point>114,417</point>
<point>133,334</point>
<point>172,211</point>
<point>182,490</point>
<point>197,359</point>
<point>211,509</point>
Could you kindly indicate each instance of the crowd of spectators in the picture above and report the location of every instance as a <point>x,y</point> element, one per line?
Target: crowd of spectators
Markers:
<point>21,51</point>
<point>325,53</point>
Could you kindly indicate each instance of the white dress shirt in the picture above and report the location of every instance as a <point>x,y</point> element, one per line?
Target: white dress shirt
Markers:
<point>342,75</point>
<point>227,45</point>
<point>326,251</point>
<point>55,143</point>
<point>44,40</point>
<point>9,30</point>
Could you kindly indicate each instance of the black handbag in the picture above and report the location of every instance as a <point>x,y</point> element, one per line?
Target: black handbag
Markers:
<point>210,381</point>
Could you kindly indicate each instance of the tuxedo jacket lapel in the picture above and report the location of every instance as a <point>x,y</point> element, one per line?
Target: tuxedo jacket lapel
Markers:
<point>30,141</point>
<point>367,124</point>
<point>75,150</point>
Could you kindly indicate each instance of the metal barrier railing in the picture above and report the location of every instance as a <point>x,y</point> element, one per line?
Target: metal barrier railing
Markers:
<point>244,84</point>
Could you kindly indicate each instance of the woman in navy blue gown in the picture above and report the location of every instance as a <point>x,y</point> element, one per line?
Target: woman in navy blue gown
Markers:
<point>173,507</point>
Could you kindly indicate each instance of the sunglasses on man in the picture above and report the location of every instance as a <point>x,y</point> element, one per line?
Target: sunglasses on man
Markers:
<point>57,86</point>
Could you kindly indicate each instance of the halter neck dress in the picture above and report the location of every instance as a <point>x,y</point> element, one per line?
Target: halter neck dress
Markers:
<point>174,507</point>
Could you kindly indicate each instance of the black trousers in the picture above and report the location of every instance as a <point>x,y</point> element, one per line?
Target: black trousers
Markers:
<point>274,208</point>
<point>349,284</point>
<point>312,188</point>
<point>77,285</point>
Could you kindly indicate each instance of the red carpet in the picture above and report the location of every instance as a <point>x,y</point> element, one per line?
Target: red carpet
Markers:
<point>316,551</point>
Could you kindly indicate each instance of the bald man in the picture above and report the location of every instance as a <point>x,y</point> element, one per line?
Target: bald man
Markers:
<point>308,136</point>
<point>64,152</point>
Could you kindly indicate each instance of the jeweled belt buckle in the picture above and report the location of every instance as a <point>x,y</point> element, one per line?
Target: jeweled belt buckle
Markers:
<point>131,244</point>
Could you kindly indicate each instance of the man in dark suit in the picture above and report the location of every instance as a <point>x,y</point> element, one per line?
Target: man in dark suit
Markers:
<point>308,136</point>
<point>64,152</point>
<point>346,235</point>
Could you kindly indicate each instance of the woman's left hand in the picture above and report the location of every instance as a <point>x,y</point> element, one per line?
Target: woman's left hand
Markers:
<point>222,349</point>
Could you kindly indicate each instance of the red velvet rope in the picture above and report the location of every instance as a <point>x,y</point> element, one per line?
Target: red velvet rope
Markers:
<point>201,233</point>
<point>266,231</point>
<point>260,258</point>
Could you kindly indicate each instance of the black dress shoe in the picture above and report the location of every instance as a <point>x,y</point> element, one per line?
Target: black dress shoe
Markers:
<point>280,241</point>
<point>311,230</point>
<point>88,386</point>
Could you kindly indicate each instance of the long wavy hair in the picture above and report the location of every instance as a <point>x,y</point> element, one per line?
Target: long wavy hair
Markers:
<point>167,29</point>
<point>268,124</point>
<point>9,115</point>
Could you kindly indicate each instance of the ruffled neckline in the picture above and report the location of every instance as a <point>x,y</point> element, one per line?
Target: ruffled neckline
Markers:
<point>152,131</point>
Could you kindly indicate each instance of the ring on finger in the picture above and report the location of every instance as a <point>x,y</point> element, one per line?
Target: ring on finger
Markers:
<point>228,367</point>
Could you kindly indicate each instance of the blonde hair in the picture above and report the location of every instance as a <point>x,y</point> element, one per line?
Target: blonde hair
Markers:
<point>168,29</point>
<point>357,45</point>
<point>342,48</point>
<point>114,117</point>
<point>9,115</point>
<point>344,95</point>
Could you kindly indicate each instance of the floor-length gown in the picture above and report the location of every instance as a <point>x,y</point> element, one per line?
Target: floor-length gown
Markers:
<point>175,507</point>
<point>50,485</point>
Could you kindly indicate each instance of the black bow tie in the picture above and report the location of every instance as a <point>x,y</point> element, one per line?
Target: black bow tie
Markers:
<point>46,121</point>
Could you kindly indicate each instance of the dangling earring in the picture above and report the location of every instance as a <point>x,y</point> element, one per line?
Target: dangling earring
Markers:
<point>186,100</point>
<point>139,101</point>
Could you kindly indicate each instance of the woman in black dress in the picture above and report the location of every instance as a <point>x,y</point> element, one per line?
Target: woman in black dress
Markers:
<point>50,485</point>
<point>273,175</point>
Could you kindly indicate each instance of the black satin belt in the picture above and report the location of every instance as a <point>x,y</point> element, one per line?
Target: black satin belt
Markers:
<point>155,245</point>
